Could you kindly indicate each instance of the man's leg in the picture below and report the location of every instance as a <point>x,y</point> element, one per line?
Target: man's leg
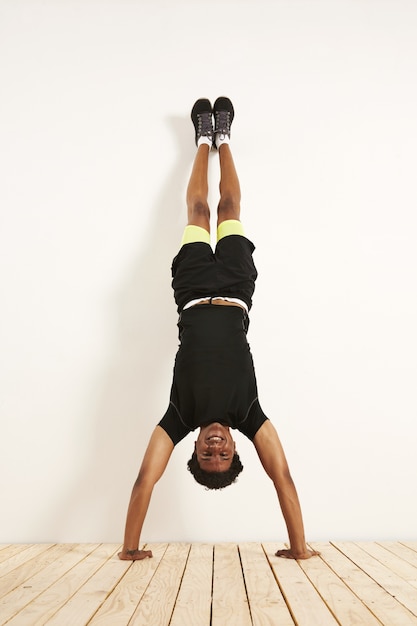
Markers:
<point>229,205</point>
<point>197,191</point>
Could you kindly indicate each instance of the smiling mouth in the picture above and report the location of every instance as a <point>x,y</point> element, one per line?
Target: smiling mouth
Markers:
<point>215,438</point>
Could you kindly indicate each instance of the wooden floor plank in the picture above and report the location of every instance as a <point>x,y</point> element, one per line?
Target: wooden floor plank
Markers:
<point>389,580</point>
<point>378,601</point>
<point>266,603</point>
<point>405,553</point>
<point>11,549</point>
<point>22,575</point>
<point>159,598</point>
<point>122,602</point>
<point>230,602</point>
<point>393,562</point>
<point>350,584</point>
<point>342,602</point>
<point>22,601</point>
<point>410,544</point>
<point>302,598</point>
<point>84,603</point>
<point>22,556</point>
<point>193,605</point>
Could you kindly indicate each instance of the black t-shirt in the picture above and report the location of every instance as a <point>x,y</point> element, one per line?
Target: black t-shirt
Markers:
<point>214,378</point>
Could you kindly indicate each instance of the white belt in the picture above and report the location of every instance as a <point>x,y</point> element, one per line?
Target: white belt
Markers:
<point>198,300</point>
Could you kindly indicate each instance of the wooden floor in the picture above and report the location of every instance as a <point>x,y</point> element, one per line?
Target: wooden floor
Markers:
<point>350,584</point>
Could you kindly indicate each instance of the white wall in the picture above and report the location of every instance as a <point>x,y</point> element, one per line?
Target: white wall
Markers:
<point>96,148</point>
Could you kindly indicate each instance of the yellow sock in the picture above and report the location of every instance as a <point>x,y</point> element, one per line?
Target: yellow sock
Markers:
<point>229,227</point>
<point>193,234</point>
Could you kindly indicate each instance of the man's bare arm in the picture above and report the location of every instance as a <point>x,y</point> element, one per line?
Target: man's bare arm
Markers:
<point>153,466</point>
<point>272,457</point>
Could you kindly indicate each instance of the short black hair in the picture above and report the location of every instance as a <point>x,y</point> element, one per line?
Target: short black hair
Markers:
<point>215,480</point>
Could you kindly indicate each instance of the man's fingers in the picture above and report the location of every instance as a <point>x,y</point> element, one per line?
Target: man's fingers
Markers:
<point>287,554</point>
<point>141,554</point>
<point>135,555</point>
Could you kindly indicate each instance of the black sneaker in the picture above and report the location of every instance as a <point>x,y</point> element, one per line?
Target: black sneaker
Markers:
<point>202,117</point>
<point>223,116</point>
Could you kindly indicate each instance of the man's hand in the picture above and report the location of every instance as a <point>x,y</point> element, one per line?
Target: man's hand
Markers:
<point>134,555</point>
<point>289,554</point>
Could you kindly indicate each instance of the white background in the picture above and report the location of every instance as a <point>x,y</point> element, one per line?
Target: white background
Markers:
<point>96,149</point>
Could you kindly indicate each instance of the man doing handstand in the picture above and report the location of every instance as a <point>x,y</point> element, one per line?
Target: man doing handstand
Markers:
<point>214,385</point>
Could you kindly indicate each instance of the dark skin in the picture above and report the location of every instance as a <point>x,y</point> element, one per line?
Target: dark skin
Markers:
<point>215,446</point>
<point>272,457</point>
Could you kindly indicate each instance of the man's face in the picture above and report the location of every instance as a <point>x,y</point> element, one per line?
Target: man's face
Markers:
<point>215,448</point>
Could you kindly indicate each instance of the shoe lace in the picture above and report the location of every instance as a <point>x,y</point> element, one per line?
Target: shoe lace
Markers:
<point>205,125</point>
<point>223,122</point>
